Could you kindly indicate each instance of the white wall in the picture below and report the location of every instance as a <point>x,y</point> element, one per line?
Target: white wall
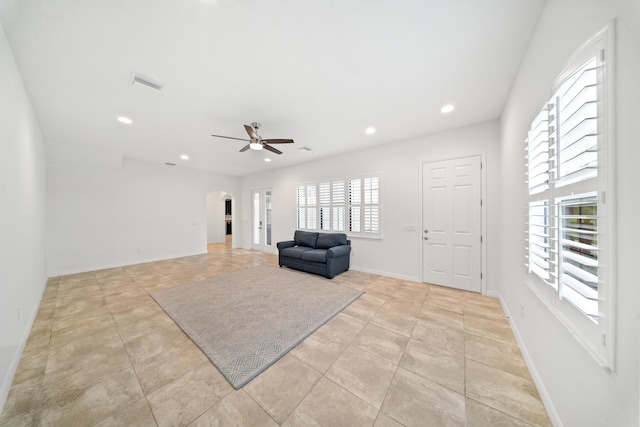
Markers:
<point>22,223</point>
<point>578,392</point>
<point>112,216</point>
<point>397,254</point>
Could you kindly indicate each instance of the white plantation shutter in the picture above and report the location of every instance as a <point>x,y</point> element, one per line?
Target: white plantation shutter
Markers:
<point>364,205</point>
<point>306,199</point>
<point>539,164</point>
<point>324,205</point>
<point>302,203</point>
<point>337,205</point>
<point>355,204</point>
<point>579,253</point>
<point>371,205</point>
<point>539,240</point>
<point>578,125</point>
<point>312,202</point>
<point>538,153</point>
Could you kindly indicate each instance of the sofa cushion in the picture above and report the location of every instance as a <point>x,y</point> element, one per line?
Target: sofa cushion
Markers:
<point>329,240</point>
<point>295,252</point>
<point>315,255</point>
<point>305,238</point>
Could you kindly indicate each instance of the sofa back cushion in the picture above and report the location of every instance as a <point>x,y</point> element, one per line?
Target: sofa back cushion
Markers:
<point>329,240</point>
<point>305,238</point>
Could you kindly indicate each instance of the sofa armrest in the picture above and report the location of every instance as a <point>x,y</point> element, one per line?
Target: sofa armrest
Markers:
<point>338,251</point>
<point>286,244</point>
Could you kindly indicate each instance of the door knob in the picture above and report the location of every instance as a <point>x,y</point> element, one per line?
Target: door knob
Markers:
<point>425,238</point>
<point>426,231</point>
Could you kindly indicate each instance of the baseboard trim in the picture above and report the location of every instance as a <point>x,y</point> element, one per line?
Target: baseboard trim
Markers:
<point>386,273</point>
<point>118,265</point>
<point>544,395</point>
<point>15,361</point>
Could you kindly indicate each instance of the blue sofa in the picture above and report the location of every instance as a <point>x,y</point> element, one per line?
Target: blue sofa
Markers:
<point>325,254</point>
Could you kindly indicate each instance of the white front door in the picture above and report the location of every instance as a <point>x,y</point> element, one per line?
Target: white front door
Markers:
<point>261,220</point>
<point>452,223</point>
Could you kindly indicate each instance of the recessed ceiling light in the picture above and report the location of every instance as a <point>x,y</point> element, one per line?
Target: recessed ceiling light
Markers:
<point>267,159</point>
<point>125,120</point>
<point>184,157</point>
<point>447,108</point>
<point>370,130</point>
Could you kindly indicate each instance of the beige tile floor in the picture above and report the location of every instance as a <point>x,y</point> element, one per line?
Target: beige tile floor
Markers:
<point>102,352</point>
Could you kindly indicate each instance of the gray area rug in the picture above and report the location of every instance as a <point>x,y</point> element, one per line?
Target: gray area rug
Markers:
<point>246,320</point>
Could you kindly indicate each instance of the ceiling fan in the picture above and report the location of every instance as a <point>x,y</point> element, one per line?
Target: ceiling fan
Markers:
<point>256,142</point>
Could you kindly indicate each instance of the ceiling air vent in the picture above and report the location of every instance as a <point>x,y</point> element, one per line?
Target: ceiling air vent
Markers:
<point>145,81</point>
<point>305,148</point>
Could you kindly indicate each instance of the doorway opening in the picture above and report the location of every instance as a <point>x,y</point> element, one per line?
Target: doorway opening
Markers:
<point>219,219</point>
<point>261,220</point>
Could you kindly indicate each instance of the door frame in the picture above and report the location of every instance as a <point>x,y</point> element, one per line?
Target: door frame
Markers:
<point>483,213</point>
<point>262,247</point>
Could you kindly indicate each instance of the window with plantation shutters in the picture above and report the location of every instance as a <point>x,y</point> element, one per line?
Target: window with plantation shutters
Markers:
<point>350,205</point>
<point>569,170</point>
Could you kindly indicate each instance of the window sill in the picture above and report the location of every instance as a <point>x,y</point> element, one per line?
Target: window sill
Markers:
<point>361,237</point>
<point>551,302</point>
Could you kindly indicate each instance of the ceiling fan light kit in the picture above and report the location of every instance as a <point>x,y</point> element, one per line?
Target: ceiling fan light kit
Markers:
<point>256,142</point>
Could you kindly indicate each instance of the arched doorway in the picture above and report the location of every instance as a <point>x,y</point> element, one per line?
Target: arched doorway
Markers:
<point>219,217</point>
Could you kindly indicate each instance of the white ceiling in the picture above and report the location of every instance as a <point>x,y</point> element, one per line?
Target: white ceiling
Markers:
<point>319,72</point>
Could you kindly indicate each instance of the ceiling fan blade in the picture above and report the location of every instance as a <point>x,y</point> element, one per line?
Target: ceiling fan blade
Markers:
<point>251,132</point>
<point>245,148</point>
<point>278,141</point>
<point>229,137</point>
<point>270,148</point>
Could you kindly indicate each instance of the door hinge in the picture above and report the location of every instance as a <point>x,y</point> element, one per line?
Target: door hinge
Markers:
<point>480,276</point>
<point>602,55</point>
<point>480,202</point>
<point>480,165</point>
<point>480,239</point>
